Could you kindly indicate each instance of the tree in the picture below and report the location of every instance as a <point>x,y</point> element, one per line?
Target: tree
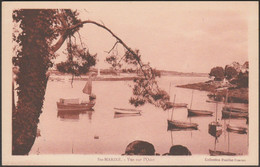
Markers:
<point>40,28</point>
<point>78,61</point>
<point>217,73</point>
<point>230,72</point>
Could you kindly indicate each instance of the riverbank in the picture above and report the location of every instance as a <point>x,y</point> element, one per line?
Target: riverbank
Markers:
<point>235,95</point>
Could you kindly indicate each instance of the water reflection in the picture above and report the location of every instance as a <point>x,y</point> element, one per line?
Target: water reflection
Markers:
<point>73,115</point>
<point>126,115</point>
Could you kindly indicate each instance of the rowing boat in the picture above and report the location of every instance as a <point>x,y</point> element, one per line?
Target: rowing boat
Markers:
<point>232,114</point>
<point>75,107</point>
<point>192,112</point>
<point>181,125</point>
<point>236,129</point>
<point>126,111</point>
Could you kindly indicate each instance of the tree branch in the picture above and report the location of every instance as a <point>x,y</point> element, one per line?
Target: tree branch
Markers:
<point>69,29</point>
<point>112,47</point>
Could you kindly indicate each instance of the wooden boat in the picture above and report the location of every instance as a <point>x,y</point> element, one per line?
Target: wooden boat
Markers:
<point>236,129</point>
<point>63,106</point>
<point>126,111</point>
<point>235,109</point>
<point>192,112</point>
<point>181,125</point>
<point>231,114</point>
<point>215,129</point>
<point>219,153</point>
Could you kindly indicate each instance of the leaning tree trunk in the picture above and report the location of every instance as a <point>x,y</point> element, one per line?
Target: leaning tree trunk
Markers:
<point>33,62</point>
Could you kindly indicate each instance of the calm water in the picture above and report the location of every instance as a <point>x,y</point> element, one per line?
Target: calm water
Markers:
<point>98,132</point>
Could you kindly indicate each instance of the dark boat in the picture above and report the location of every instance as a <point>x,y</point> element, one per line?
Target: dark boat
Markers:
<point>74,107</point>
<point>232,114</point>
<point>181,125</point>
<point>215,129</point>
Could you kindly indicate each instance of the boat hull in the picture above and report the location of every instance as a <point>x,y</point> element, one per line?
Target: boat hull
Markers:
<point>232,114</point>
<point>75,107</point>
<point>126,111</point>
<point>236,129</point>
<point>215,129</point>
<point>181,125</point>
<point>199,113</point>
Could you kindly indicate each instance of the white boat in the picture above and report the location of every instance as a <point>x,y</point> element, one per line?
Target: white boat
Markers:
<point>126,111</point>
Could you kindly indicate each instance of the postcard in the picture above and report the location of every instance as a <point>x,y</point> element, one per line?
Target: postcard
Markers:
<point>130,83</point>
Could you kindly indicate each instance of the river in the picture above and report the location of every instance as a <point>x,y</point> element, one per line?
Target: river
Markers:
<point>99,132</point>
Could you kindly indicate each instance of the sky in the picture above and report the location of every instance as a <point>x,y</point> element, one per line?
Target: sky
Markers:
<point>171,36</point>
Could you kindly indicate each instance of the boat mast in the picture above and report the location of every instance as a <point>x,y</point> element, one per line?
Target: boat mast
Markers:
<point>191,99</point>
<point>173,106</point>
<point>216,111</point>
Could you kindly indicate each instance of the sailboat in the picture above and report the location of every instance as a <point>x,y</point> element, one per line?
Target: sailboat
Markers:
<point>74,104</point>
<point>174,124</point>
<point>215,127</point>
<point>173,104</point>
<point>192,112</point>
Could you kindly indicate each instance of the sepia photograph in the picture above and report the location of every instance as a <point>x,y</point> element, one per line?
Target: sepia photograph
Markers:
<point>130,83</point>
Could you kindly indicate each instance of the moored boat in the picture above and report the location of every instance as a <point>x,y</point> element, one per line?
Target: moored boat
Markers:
<point>63,106</point>
<point>181,125</point>
<point>236,129</point>
<point>192,112</point>
<point>235,109</point>
<point>215,129</point>
<point>231,114</point>
<point>126,111</point>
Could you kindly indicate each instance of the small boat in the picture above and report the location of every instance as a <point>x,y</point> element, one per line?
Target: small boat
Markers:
<point>231,114</point>
<point>218,153</point>
<point>236,129</point>
<point>181,125</point>
<point>126,111</point>
<point>192,112</point>
<point>235,109</point>
<point>70,105</point>
<point>215,129</point>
